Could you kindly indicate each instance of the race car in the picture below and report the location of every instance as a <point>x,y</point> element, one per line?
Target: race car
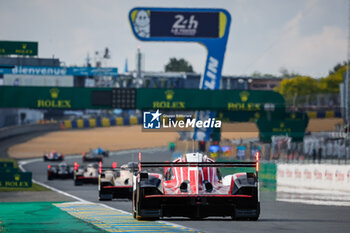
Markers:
<point>85,174</point>
<point>60,171</point>
<point>116,182</point>
<point>101,151</point>
<point>92,156</point>
<point>193,186</point>
<point>53,156</point>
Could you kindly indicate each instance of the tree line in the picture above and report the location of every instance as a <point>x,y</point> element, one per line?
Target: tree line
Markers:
<point>302,85</point>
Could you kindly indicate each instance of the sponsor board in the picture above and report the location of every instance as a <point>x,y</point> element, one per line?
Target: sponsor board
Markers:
<point>60,71</point>
<point>15,179</point>
<point>29,48</point>
<point>314,176</point>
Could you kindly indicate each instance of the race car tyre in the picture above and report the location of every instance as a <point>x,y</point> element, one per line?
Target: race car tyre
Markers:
<point>105,196</point>
<point>139,198</point>
<point>45,159</point>
<point>77,182</point>
<point>134,204</point>
<point>250,218</point>
<point>49,177</point>
<point>255,218</point>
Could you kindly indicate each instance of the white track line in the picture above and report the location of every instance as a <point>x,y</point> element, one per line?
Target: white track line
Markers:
<point>20,165</point>
<point>315,202</point>
<point>24,162</point>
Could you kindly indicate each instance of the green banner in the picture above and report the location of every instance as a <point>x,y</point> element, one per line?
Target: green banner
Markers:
<point>231,101</point>
<point>48,97</point>
<point>294,128</point>
<point>267,173</point>
<point>18,48</point>
<point>6,164</point>
<point>228,100</point>
<point>15,179</point>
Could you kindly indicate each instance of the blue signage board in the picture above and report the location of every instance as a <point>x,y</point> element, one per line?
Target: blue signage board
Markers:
<point>184,24</point>
<point>209,27</point>
<point>92,71</point>
<point>60,71</point>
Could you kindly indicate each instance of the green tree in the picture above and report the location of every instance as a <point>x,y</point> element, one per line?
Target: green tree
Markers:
<point>178,65</point>
<point>337,67</point>
<point>300,86</point>
<point>286,74</point>
<point>330,84</point>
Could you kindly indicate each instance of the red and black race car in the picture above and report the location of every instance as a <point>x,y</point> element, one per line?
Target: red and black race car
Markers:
<point>193,186</point>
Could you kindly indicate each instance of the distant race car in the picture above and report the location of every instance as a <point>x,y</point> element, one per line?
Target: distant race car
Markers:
<point>116,182</point>
<point>101,151</point>
<point>192,186</point>
<point>53,156</point>
<point>86,174</point>
<point>92,156</point>
<point>60,171</point>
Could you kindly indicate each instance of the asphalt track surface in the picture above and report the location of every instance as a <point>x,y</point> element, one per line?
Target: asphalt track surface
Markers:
<point>275,216</point>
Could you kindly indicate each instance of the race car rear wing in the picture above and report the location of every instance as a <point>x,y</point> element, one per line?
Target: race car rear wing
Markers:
<point>199,164</point>
<point>49,166</point>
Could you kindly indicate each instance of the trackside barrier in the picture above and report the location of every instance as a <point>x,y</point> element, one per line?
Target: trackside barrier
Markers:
<point>101,122</point>
<point>106,122</point>
<point>324,114</point>
<point>329,177</point>
<point>14,131</point>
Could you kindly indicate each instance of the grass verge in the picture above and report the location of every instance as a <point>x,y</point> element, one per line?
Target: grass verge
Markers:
<point>35,188</point>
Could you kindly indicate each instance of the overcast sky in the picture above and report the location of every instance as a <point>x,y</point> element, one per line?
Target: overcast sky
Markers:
<point>303,36</point>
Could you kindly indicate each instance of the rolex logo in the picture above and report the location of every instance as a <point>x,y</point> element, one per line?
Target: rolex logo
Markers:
<point>169,94</point>
<point>24,46</point>
<point>244,96</point>
<point>17,177</point>
<point>281,125</point>
<point>54,93</point>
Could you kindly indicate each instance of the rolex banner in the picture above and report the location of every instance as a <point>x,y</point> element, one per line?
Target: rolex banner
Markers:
<point>294,128</point>
<point>15,179</point>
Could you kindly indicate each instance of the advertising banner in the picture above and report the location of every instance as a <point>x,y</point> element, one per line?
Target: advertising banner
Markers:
<point>61,71</point>
<point>314,176</point>
<point>16,179</point>
<point>28,48</point>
